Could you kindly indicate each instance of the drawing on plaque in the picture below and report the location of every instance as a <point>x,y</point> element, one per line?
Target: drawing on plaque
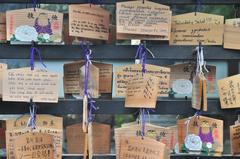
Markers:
<point>26,25</point>
<point>200,134</point>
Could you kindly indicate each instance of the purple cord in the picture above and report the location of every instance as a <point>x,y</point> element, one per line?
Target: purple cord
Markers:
<point>34,50</point>
<point>87,62</point>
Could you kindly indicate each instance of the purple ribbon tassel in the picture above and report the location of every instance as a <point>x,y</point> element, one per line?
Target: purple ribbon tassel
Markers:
<point>87,62</point>
<point>35,4</point>
<point>34,51</point>
<point>95,2</point>
<point>141,54</point>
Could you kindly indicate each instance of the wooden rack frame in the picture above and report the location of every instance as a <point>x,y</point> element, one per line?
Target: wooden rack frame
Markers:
<point>161,51</point>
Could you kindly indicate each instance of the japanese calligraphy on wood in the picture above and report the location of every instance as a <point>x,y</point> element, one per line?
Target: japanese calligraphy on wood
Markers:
<point>190,29</point>
<point>26,25</point>
<point>165,135</point>
<point>34,145</point>
<point>235,139</point>
<point>229,92</point>
<point>136,147</point>
<point>89,21</point>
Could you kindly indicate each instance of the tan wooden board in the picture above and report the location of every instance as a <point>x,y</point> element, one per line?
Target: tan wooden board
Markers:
<point>34,145</point>
<point>23,84</point>
<point>235,139</point>
<point>166,135</point>
<point>202,126</point>
<point>134,17</point>
<point>72,81</point>
<point>228,90</point>
<point>122,74</point>
<point>3,36</point>
<point>231,34</point>
<point>185,71</point>
<point>89,22</point>
<point>136,147</point>
<point>101,138</point>
<point>45,124</point>
<point>26,25</point>
<point>190,29</point>
<point>141,92</point>
<point>3,67</point>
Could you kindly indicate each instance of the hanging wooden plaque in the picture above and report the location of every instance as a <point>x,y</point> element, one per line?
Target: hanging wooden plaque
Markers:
<point>23,84</point>
<point>124,73</point>
<point>204,135</point>
<point>34,145</point>
<point>141,92</point>
<point>2,134</point>
<point>136,20</point>
<point>229,92</point>
<point>101,138</point>
<point>72,81</point>
<point>136,147</point>
<point>27,25</point>
<point>45,124</point>
<point>3,67</point>
<point>3,37</point>
<point>197,92</point>
<point>89,21</point>
<point>235,139</point>
<point>165,135</point>
<point>191,28</point>
<point>182,74</point>
<point>232,34</point>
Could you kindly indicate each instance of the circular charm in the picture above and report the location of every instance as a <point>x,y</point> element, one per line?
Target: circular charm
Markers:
<point>193,142</point>
<point>182,86</point>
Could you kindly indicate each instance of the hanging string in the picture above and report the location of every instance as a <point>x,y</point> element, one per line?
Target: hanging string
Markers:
<point>33,111</point>
<point>34,51</point>
<point>201,63</point>
<point>87,62</point>
<point>196,115</point>
<point>95,2</point>
<point>35,4</point>
<point>198,6</point>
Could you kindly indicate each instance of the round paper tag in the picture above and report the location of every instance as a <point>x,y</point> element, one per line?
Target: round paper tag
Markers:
<point>182,86</point>
<point>193,142</point>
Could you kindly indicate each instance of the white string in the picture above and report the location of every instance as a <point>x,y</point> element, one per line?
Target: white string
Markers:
<point>201,63</point>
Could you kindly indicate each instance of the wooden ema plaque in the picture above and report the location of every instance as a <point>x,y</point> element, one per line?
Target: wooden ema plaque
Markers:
<point>136,20</point>
<point>235,139</point>
<point>190,29</point>
<point>72,82</point>
<point>101,139</point>
<point>165,135</point>
<point>3,36</point>
<point>45,124</point>
<point>26,25</point>
<point>124,73</point>
<point>142,92</point>
<point>34,145</point>
<point>23,84</point>
<point>136,147</point>
<point>181,75</point>
<point>231,34</point>
<point>205,135</point>
<point>229,92</point>
<point>3,67</point>
<point>2,134</point>
<point>89,21</point>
